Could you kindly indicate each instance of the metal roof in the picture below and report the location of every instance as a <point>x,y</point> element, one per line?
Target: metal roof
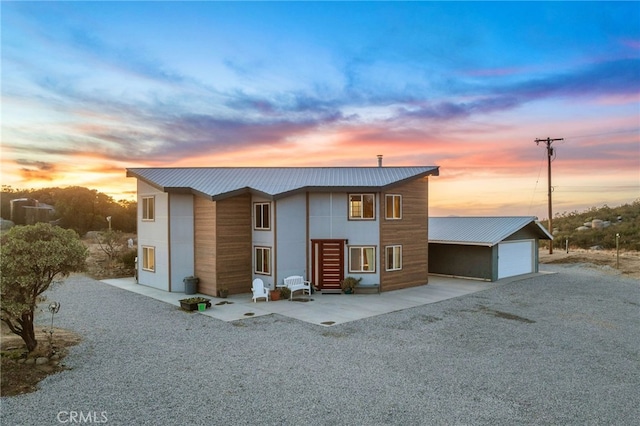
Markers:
<point>482,231</point>
<point>275,182</point>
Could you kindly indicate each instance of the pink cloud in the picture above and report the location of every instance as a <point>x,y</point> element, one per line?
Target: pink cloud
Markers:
<point>494,72</point>
<point>634,44</point>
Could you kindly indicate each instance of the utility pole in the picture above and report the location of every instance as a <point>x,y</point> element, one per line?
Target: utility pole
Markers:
<point>548,142</point>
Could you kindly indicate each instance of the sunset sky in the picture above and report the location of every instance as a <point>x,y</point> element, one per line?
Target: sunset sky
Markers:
<point>91,88</point>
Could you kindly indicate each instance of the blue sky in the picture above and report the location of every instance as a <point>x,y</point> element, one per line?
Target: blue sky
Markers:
<point>90,88</point>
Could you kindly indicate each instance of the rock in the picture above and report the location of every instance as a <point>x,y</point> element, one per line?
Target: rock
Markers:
<point>41,360</point>
<point>54,357</point>
<point>30,361</point>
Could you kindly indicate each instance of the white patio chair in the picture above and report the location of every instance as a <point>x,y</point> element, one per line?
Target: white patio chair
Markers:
<point>259,290</point>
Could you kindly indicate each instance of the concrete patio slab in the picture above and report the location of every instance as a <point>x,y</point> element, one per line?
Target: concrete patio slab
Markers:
<point>324,309</point>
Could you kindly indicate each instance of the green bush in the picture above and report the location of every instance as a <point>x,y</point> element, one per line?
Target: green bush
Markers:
<point>625,221</point>
<point>285,292</point>
<point>128,258</point>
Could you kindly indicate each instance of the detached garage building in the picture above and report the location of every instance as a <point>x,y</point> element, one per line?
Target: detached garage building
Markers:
<point>487,248</point>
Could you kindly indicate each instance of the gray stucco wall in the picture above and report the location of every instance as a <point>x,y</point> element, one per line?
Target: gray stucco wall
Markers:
<point>291,225</point>
<point>181,238</point>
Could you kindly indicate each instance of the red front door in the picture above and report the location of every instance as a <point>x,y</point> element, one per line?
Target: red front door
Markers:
<point>328,264</point>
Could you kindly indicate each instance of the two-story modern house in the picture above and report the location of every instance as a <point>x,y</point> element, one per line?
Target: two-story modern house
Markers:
<point>228,226</point>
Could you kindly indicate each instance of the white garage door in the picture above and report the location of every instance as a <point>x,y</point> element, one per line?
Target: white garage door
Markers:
<point>515,258</point>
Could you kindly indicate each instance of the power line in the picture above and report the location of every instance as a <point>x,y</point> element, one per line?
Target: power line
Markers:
<point>535,188</point>
<point>613,132</point>
<point>550,153</point>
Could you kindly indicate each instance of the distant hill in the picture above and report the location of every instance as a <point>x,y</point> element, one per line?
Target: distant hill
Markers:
<point>598,226</point>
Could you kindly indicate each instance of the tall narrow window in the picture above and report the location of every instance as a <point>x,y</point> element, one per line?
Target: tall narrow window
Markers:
<point>393,207</point>
<point>148,208</point>
<point>261,216</point>
<point>362,206</point>
<point>263,260</point>
<point>394,258</point>
<point>149,258</point>
<point>362,259</point>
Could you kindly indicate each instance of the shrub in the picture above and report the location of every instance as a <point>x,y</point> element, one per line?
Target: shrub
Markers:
<point>128,258</point>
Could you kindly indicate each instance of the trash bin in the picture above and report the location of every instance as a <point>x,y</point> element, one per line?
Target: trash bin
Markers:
<point>190,285</point>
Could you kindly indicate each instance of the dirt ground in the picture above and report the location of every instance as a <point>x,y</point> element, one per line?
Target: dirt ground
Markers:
<point>98,265</point>
<point>627,263</point>
<point>19,376</point>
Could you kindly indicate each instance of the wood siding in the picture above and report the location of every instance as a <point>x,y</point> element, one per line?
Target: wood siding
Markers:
<point>234,251</point>
<point>411,232</point>
<point>204,216</point>
<point>223,244</point>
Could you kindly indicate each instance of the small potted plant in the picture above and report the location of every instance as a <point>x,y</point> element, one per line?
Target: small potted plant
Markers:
<point>285,292</point>
<point>349,284</point>
<point>223,292</point>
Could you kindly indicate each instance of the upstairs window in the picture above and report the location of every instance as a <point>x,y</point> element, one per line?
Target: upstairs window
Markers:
<point>362,206</point>
<point>261,216</point>
<point>148,208</point>
<point>393,207</point>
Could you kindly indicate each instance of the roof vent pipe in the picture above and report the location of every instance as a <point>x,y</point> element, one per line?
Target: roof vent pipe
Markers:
<point>379,160</point>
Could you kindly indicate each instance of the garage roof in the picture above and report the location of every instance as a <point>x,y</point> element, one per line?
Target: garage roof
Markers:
<point>481,231</point>
<point>275,182</point>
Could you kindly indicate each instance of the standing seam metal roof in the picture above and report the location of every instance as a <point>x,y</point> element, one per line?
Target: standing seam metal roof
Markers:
<point>218,182</point>
<point>485,231</point>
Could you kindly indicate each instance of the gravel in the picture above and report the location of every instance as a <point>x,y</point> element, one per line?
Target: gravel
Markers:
<point>557,348</point>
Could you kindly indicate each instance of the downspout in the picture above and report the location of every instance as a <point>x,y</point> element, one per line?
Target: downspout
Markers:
<point>381,251</point>
<point>274,217</point>
<point>169,239</point>
<point>307,242</point>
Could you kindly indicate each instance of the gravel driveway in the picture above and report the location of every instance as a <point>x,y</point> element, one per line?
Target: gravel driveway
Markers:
<point>559,349</point>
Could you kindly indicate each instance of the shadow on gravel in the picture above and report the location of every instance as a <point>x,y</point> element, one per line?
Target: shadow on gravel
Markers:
<point>504,315</point>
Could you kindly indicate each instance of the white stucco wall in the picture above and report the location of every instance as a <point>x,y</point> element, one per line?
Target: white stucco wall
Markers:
<point>154,234</point>
<point>263,238</point>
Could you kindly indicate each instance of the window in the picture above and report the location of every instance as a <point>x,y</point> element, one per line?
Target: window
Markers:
<point>149,258</point>
<point>263,260</point>
<point>362,206</point>
<point>362,259</point>
<point>393,208</point>
<point>261,213</point>
<point>148,208</point>
<point>394,258</point>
